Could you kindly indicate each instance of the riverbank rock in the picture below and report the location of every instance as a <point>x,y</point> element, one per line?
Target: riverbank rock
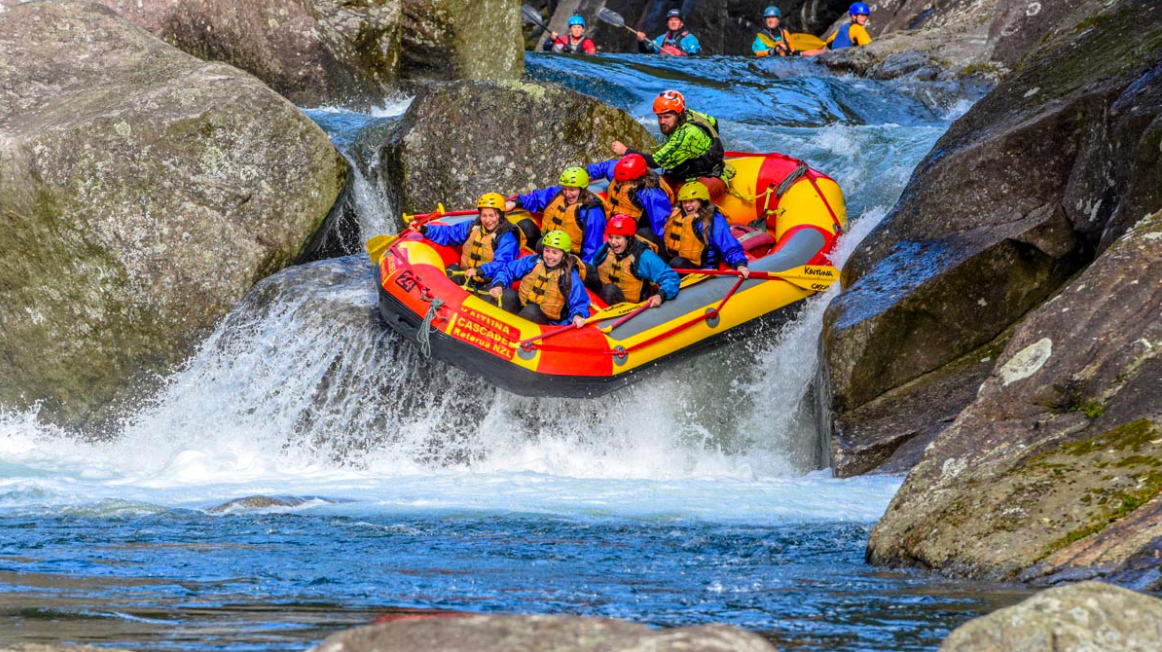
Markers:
<point>721,27</point>
<point>536,634</point>
<point>462,139</point>
<point>36,647</point>
<point>1054,470</point>
<point>1081,618</point>
<point>142,192</point>
<point>1046,170</point>
<point>462,39</point>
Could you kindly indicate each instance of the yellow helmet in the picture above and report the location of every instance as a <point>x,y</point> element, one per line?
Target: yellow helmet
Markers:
<point>491,200</point>
<point>694,190</point>
<point>575,178</point>
<point>558,240</point>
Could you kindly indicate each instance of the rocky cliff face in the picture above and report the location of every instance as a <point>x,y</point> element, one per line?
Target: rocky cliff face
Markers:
<point>460,140</point>
<point>142,192</point>
<point>462,39</point>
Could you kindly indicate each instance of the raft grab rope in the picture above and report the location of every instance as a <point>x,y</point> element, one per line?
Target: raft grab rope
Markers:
<point>424,334</point>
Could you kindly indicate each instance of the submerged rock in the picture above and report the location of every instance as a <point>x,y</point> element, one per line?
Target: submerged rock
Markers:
<point>1054,471</point>
<point>269,502</point>
<point>142,192</point>
<point>1081,618</point>
<point>462,39</point>
<point>1050,167</point>
<point>510,633</point>
<point>460,140</point>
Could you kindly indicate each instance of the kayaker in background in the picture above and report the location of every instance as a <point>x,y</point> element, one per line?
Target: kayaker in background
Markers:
<point>571,208</point>
<point>850,34</point>
<point>488,243</point>
<point>629,270</point>
<point>575,42</point>
<point>693,149</point>
<point>637,191</point>
<point>698,235</point>
<point>677,40</point>
<point>551,290</point>
<point>773,39</point>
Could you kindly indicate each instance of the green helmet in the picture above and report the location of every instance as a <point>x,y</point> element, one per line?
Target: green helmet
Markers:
<point>558,240</point>
<point>575,178</point>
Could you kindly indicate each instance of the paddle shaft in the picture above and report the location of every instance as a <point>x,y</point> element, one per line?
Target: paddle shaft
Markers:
<point>531,15</point>
<point>762,276</point>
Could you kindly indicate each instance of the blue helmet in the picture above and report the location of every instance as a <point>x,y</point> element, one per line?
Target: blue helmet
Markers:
<point>772,11</point>
<point>859,9</point>
<point>576,20</point>
<point>673,13</point>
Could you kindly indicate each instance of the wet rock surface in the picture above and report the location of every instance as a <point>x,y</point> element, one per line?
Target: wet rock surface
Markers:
<point>1080,618</point>
<point>462,39</point>
<point>142,192</point>
<point>536,634</point>
<point>1053,471</point>
<point>462,139</point>
<point>1016,197</point>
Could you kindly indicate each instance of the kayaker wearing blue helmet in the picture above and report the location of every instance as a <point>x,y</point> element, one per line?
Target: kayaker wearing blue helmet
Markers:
<point>575,42</point>
<point>851,34</point>
<point>773,39</point>
<point>677,40</point>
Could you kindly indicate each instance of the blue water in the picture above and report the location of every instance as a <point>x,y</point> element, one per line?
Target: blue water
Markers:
<point>692,497</point>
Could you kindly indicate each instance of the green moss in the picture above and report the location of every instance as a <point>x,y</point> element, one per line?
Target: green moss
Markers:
<point>1091,409</point>
<point>1131,435</point>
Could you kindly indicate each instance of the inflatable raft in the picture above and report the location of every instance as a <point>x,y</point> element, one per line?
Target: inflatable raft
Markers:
<point>786,215</point>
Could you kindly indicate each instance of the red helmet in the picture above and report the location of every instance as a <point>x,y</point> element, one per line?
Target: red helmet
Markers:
<point>669,101</point>
<point>621,225</point>
<point>630,167</point>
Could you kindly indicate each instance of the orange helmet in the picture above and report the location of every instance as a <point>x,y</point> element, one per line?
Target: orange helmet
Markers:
<point>667,101</point>
<point>621,225</point>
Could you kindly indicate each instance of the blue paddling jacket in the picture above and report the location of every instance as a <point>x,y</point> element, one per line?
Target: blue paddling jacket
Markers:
<point>577,300</point>
<point>654,202</point>
<point>454,235</point>
<point>648,267</point>
<point>591,217</point>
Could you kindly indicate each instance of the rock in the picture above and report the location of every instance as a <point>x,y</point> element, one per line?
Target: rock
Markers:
<point>462,139</point>
<point>721,27</point>
<point>1084,617</point>
<point>462,39</point>
<point>1047,169</point>
<point>511,633</point>
<point>269,502</point>
<point>1054,471</point>
<point>142,192</point>
<point>314,52</point>
<point>37,647</point>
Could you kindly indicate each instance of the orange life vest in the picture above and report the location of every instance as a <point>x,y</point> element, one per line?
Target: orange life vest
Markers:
<point>547,288</point>
<point>620,272</point>
<point>623,197</point>
<point>681,238</point>
<point>559,216</point>
<point>480,247</point>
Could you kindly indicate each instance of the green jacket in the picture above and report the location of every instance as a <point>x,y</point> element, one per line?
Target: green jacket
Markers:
<point>693,150</point>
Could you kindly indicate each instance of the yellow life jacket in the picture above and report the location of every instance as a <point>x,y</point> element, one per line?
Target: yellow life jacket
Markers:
<point>480,247</point>
<point>681,238</point>
<point>559,216</point>
<point>547,288</point>
<point>621,273</point>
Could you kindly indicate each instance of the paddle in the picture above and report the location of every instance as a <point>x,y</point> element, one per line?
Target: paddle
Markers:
<point>802,41</point>
<point>613,18</point>
<point>817,278</point>
<point>380,243</point>
<point>533,16</point>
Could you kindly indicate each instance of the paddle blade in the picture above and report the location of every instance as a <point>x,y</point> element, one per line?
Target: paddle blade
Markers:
<point>611,17</point>
<point>801,41</point>
<point>817,278</point>
<point>530,15</point>
<point>377,245</point>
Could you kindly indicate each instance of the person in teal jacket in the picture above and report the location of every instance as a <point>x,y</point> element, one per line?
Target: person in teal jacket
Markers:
<point>773,40</point>
<point>677,40</point>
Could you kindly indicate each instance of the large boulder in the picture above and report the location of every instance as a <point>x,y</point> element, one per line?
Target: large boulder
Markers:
<point>462,139</point>
<point>1054,471</point>
<point>505,633</point>
<point>1050,167</point>
<point>462,39</point>
<point>1084,617</point>
<point>313,52</point>
<point>142,192</point>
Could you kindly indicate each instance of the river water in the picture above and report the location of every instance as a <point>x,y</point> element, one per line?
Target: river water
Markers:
<point>695,496</point>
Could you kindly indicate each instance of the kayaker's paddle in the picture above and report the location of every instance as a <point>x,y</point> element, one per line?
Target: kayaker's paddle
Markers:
<point>533,16</point>
<point>808,277</point>
<point>611,17</point>
<point>802,41</point>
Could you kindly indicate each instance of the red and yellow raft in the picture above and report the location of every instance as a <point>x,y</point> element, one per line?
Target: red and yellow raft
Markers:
<point>803,213</point>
